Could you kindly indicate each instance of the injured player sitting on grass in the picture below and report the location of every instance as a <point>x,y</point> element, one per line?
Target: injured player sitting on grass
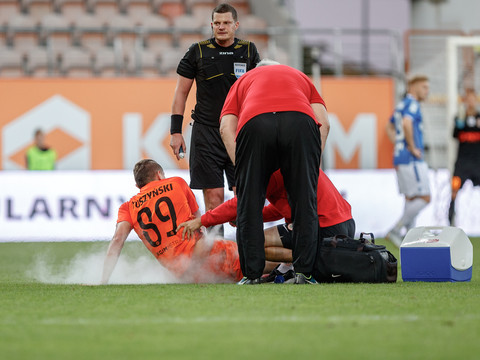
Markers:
<point>154,213</point>
<point>334,218</point>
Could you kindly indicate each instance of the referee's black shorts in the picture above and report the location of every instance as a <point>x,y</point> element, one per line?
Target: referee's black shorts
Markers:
<point>209,159</point>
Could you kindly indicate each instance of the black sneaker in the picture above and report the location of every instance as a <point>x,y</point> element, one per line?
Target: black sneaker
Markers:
<point>287,278</point>
<point>247,281</point>
<point>302,279</point>
<point>271,277</point>
<point>276,276</point>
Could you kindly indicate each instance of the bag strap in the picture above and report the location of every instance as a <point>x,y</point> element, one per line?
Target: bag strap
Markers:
<point>362,239</point>
<point>344,241</point>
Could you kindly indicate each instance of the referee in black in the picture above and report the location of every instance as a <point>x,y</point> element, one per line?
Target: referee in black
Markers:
<point>214,64</point>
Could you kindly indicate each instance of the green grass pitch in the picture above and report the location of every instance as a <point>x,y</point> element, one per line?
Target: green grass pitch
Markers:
<point>44,320</point>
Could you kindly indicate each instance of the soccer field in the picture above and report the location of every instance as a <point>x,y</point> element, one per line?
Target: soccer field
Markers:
<point>45,315</point>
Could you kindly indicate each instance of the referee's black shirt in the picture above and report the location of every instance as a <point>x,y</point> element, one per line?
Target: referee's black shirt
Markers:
<point>212,67</point>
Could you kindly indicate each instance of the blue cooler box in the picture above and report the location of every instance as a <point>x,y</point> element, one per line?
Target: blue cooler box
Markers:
<point>436,254</point>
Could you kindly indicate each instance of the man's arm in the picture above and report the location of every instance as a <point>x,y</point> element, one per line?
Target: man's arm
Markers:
<point>178,108</point>
<point>228,129</point>
<point>408,131</point>
<point>391,132</point>
<point>271,213</point>
<point>322,117</point>
<point>221,214</point>
<point>116,245</point>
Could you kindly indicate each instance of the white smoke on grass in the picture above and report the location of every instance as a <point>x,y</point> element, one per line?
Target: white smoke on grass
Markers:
<point>199,269</point>
<point>86,268</point>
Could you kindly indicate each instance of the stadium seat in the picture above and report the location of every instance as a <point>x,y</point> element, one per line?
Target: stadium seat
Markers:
<point>89,31</point>
<point>40,63</point>
<point>169,8</point>
<point>70,9</point>
<point>8,9</point>
<point>201,9</point>
<point>188,30</point>
<point>103,9</point>
<point>158,36</point>
<point>136,9</point>
<point>3,37</point>
<point>76,62</point>
<point>37,8</point>
<point>254,28</point>
<point>143,63</point>
<point>122,28</point>
<point>251,21</point>
<point>242,7</point>
<point>11,62</point>
<point>108,62</point>
<point>56,32</point>
<point>169,61</point>
<point>22,32</point>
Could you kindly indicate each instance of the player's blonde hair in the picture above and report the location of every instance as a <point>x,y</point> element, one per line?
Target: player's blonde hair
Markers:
<point>413,79</point>
<point>145,171</point>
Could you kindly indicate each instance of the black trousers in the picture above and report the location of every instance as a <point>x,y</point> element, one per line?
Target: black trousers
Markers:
<point>289,141</point>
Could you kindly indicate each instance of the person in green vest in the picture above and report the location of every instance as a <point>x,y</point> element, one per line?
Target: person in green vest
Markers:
<point>39,156</point>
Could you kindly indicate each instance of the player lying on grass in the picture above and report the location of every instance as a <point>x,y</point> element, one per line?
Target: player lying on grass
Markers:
<point>154,213</point>
<point>334,217</point>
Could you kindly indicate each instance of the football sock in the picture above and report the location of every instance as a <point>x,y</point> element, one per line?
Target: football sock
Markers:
<point>283,267</point>
<point>412,209</point>
<point>451,213</point>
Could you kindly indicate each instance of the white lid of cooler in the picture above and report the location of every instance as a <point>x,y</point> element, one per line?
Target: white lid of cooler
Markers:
<point>461,249</point>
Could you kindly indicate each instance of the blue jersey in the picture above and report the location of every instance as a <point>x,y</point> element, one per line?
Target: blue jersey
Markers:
<point>408,107</point>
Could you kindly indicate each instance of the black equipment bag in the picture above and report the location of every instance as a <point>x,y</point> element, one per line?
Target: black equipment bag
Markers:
<point>343,259</point>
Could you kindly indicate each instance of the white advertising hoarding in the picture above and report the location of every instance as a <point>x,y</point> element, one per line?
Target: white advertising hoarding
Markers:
<point>83,205</point>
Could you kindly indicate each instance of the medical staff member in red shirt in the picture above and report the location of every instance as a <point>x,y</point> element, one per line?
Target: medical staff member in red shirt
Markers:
<point>271,120</point>
<point>334,218</point>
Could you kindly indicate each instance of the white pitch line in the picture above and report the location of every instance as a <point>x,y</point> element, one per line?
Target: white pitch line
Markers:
<point>250,320</point>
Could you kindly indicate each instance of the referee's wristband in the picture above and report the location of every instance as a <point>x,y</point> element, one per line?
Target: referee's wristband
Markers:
<point>176,124</point>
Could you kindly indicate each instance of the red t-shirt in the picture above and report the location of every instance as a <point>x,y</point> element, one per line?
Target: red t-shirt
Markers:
<point>271,88</point>
<point>331,206</point>
<point>155,212</point>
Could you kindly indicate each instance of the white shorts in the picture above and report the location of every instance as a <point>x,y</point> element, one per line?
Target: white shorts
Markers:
<point>413,179</point>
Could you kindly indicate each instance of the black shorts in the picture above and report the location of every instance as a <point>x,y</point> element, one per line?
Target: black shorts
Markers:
<point>467,170</point>
<point>344,228</point>
<point>209,159</point>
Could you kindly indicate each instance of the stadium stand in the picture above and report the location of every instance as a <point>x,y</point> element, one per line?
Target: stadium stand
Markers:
<point>70,9</point>
<point>169,8</point>
<point>36,8</point>
<point>188,30</point>
<point>157,33</point>
<point>11,62</point>
<point>113,37</point>
<point>169,61</point>
<point>89,31</point>
<point>104,9</point>
<point>143,63</point>
<point>108,62</point>
<point>8,9</point>
<point>55,32</point>
<point>38,62</point>
<point>22,32</point>
<point>76,62</point>
<point>136,9</point>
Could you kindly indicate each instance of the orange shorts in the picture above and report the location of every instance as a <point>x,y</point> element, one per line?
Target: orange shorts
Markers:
<point>223,263</point>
